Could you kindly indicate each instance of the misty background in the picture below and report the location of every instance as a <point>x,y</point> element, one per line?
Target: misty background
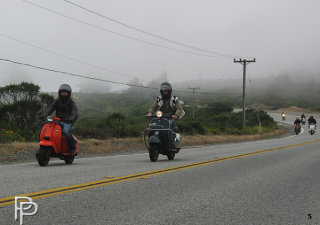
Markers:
<point>282,35</point>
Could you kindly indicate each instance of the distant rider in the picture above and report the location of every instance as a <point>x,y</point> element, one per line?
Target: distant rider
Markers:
<point>312,120</point>
<point>168,104</point>
<point>303,116</point>
<point>67,111</point>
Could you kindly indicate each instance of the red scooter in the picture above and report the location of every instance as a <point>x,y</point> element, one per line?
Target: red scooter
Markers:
<point>297,129</point>
<point>54,144</point>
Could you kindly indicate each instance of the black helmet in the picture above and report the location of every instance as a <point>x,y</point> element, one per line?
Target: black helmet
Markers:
<point>166,86</point>
<point>65,87</point>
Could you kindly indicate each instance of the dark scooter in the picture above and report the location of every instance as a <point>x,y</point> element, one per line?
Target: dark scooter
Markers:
<point>158,134</point>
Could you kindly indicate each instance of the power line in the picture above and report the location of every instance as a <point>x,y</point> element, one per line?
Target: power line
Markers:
<point>149,33</point>
<point>119,34</point>
<point>224,75</point>
<point>67,57</point>
<point>94,78</point>
<point>67,73</point>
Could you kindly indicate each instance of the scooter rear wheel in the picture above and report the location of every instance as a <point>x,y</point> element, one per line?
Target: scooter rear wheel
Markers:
<point>69,159</point>
<point>171,155</point>
<point>43,155</point>
<point>153,152</point>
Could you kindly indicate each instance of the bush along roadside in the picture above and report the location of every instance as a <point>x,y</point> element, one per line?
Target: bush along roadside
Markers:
<point>229,123</point>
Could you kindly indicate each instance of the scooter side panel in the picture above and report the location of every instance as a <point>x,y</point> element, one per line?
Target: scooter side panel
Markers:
<point>64,144</point>
<point>56,136</point>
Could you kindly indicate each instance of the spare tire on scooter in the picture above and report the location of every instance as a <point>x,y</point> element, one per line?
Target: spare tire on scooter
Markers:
<point>43,155</point>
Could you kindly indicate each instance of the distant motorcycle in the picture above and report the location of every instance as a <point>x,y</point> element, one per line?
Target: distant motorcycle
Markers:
<point>312,128</point>
<point>283,115</point>
<point>159,136</point>
<point>297,129</point>
<point>303,121</point>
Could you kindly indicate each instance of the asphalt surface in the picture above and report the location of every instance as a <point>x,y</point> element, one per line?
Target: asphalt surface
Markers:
<point>277,184</point>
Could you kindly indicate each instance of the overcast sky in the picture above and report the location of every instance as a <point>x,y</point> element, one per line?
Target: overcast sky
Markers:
<point>283,35</point>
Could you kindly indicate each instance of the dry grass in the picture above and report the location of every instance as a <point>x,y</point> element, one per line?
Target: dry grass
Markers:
<point>94,146</point>
<point>17,147</point>
<point>214,139</point>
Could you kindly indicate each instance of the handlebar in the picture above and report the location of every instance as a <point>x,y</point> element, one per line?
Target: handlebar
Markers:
<point>162,117</point>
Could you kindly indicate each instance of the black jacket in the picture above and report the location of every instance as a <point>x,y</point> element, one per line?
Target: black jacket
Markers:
<point>66,111</point>
<point>297,121</point>
<point>312,120</point>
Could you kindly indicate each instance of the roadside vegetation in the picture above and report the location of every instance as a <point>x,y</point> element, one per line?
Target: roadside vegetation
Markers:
<point>119,115</point>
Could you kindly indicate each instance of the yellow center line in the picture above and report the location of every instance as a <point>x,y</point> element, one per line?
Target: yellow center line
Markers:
<point>72,188</point>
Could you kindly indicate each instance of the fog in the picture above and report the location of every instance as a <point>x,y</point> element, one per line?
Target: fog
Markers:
<point>283,35</point>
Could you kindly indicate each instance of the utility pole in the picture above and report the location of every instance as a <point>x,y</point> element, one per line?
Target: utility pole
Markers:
<point>194,104</point>
<point>244,63</point>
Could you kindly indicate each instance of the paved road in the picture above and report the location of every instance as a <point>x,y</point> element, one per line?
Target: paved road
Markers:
<point>261,182</point>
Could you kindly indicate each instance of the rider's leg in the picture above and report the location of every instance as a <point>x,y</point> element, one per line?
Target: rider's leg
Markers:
<point>67,131</point>
<point>173,127</point>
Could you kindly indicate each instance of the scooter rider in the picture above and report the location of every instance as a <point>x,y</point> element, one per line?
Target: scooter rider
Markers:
<point>303,116</point>
<point>67,111</point>
<point>168,104</point>
<point>312,120</point>
<point>297,121</point>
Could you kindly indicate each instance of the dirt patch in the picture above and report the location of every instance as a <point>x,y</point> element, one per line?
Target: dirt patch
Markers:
<point>291,109</point>
<point>25,151</point>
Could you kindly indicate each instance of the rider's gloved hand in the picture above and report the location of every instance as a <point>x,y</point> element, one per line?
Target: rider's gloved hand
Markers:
<point>67,121</point>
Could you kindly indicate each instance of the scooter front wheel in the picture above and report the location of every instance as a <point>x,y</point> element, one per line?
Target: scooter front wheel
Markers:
<point>153,152</point>
<point>43,155</point>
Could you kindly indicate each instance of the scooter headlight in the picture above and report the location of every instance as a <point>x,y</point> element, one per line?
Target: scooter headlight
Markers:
<point>159,114</point>
<point>50,118</point>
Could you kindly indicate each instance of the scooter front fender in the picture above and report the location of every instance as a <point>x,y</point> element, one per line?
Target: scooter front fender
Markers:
<point>48,144</point>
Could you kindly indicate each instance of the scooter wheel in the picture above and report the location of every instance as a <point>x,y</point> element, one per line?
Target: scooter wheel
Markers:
<point>43,155</point>
<point>153,153</point>
<point>171,155</point>
<point>69,159</point>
